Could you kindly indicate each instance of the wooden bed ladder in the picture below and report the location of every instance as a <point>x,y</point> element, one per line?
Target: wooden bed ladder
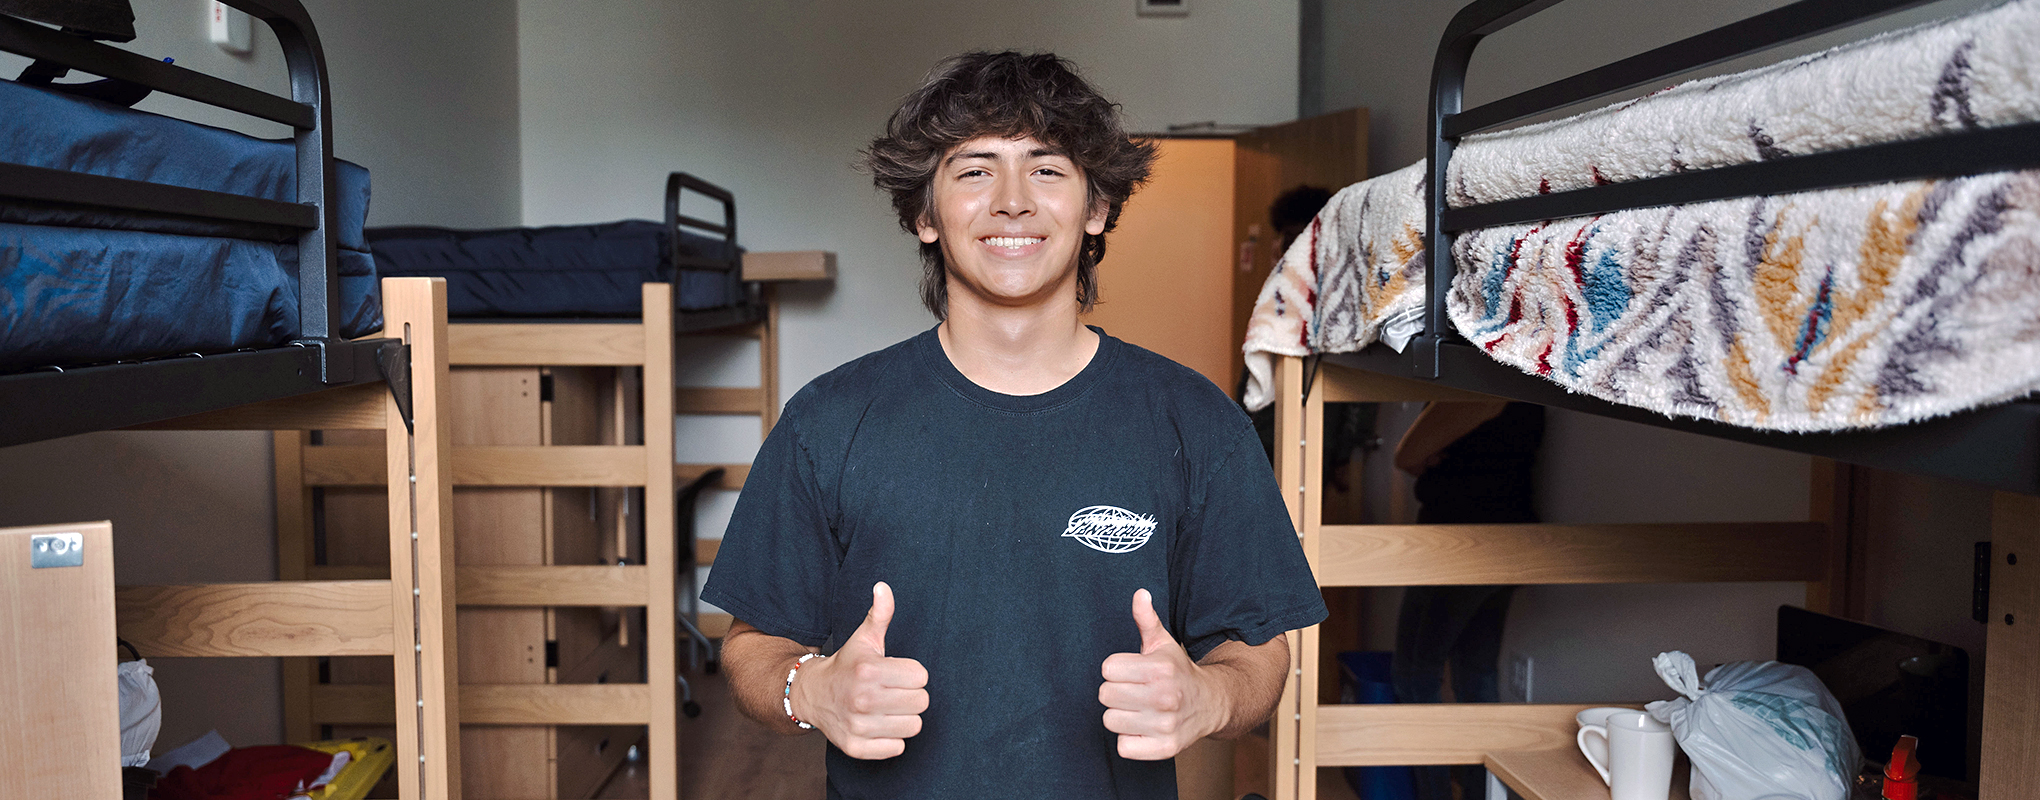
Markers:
<point>408,620</point>
<point>647,584</point>
<point>1529,746</point>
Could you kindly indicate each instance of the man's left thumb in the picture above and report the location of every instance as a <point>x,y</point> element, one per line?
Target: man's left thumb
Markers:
<point>1153,636</point>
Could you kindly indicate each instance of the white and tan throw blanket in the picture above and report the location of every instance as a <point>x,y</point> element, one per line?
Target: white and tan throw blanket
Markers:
<point>1816,311</point>
<point>1823,310</point>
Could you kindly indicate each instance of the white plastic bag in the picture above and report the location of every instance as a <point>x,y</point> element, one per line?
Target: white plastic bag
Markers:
<point>141,712</point>
<point>1759,730</point>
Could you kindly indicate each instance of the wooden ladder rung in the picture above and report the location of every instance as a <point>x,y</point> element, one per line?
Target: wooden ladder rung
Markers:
<point>732,480</point>
<point>574,585</point>
<point>491,465</point>
<point>495,704</point>
<point>276,618</point>
<point>1437,733</point>
<point>718,400</point>
<point>1448,555</point>
<point>534,345</point>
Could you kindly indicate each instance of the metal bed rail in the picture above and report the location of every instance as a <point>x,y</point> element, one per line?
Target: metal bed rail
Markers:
<point>46,404</point>
<point>750,309</point>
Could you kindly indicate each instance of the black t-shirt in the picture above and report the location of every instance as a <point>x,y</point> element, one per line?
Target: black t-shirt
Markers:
<point>1013,531</point>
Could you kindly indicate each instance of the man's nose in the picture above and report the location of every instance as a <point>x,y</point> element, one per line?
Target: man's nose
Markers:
<point>1011,198</point>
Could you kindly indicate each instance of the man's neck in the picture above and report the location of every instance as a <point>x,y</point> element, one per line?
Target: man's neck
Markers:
<point>1016,351</point>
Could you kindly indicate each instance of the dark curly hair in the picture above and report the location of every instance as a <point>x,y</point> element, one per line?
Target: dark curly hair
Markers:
<point>1011,95</point>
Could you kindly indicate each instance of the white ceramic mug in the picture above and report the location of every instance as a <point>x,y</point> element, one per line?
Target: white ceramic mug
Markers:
<point>1596,748</point>
<point>1636,757</point>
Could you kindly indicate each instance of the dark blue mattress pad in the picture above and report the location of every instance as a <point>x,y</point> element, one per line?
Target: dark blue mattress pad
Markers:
<point>87,286</point>
<point>560,271</point>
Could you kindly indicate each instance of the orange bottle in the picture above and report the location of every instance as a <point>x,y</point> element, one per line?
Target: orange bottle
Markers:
<point>1902,776</point>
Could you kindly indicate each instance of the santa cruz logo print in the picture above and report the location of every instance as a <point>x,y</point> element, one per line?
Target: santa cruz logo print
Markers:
<point>1110,529</point>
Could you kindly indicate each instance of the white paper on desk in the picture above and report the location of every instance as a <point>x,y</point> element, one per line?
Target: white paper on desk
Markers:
<point>1401,327</point>
<point>194,754</point>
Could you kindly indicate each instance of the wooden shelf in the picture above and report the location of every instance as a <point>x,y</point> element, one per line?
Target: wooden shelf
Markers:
<point>1562,774</point>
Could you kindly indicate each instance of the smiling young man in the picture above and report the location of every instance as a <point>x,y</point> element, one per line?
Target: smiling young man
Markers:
<point>1041,561</point>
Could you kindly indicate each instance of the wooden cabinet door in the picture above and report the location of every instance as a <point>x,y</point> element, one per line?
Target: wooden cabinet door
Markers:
<point>59,690</point>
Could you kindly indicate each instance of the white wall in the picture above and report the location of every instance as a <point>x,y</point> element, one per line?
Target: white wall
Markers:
<point>1593,643</point>
<point>425,96</point>
<point>774,99</point>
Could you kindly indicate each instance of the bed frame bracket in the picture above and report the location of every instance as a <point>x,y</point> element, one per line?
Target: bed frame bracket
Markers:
<point>394,362</point>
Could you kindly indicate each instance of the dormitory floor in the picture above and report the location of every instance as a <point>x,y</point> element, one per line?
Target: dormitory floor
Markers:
<point>727,757</point>
<point>724,756</point>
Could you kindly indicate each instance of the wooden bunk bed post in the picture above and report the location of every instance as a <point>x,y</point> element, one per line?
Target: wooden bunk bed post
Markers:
<point>1291,456</point>
<point>2011,672</point>
<point>293,563</point>
<point>57,677</point>
<point>421,548</point>
<point>662,740</point>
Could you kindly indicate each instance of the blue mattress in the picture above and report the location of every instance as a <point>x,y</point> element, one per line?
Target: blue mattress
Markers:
<point>87,286</point>
<point>561,271</point>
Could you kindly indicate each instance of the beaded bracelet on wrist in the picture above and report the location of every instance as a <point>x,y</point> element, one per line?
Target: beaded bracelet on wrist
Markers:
<point>786,700</point>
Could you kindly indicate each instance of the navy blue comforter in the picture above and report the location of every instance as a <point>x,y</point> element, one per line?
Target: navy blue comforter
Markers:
<point>84,287</point>
<point>560,271</point>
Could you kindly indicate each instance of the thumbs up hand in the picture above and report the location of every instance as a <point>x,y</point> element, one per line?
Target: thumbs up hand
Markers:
<point>1157,700</point>
<point>867,704</point>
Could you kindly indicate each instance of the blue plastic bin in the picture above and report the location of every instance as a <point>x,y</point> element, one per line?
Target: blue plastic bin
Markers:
<point>1364,678</point>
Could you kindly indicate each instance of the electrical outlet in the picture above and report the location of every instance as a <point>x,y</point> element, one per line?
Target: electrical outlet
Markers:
<point>1517,678</point>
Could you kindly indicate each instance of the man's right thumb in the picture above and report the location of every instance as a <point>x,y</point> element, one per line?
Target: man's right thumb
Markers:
<point>880,616</point>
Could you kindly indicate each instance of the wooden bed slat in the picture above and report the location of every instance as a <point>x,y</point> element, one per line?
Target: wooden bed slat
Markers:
<point>556,704</point>
<point>495,704</point>
<point>349,408</point>
<point>732,480</point>
<point>280,618</point>
<point>562,345</point>
<point>553,466</point>
<point>1393,734</point>
<point>1445,555</point>
<point>551,585</point>
<point>718,400</point>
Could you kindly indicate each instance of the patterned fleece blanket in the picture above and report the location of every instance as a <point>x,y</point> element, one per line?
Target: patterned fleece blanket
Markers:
<point>1815,311</point>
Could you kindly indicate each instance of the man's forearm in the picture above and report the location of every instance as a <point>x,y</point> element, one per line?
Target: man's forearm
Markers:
<point>756,663</point>
<point>1249,677</point>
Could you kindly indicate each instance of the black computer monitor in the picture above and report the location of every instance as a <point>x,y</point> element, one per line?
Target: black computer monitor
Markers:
<point>1889,684</point>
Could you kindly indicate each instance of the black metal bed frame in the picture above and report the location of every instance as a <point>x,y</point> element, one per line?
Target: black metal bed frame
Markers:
<point>1998,446</point>
<point>59,402</point>
<point>743,313</point>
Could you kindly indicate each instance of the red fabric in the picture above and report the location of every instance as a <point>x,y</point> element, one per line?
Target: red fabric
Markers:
<point>270,772</point>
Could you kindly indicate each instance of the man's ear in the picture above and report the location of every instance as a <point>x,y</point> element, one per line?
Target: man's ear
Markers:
<point>1095,225</point>
<point>926,231</point>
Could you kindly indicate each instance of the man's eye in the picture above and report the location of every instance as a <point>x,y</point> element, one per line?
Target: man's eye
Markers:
<point>974,173</point>
<point>1051,171</point>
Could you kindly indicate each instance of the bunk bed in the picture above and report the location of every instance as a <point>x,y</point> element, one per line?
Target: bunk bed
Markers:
<point>586,271</point>
<point>85,207</point>
<point>575,523</point>
<point>1436,259</point>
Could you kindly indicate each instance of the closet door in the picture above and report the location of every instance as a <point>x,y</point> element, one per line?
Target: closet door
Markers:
<point>58,684</point>
<point>1166,282</point>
